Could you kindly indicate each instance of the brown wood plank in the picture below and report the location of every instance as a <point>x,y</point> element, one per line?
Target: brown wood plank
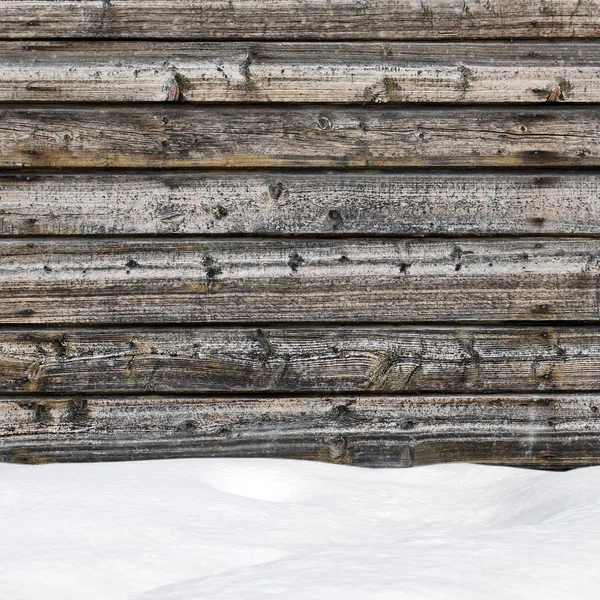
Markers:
<point>281,136</point>
<point>289,203</point>
<point>381,72</point>
<point>305,359</point>
<point>275,19</point>
<point>549,432</point>
<point>79,280</point>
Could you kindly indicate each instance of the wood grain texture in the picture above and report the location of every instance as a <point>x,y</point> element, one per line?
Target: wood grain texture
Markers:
<point>281,136</point>
<point>305,359</point>
<point>300,19</point>
<point>299,72</point>
<point>74,280</point>
<point>549,432</point>
<point>292,203</point>
<point>313,323</point>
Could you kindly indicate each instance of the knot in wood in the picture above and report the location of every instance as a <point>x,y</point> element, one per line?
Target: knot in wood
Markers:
<point>337,448</point>
<point>275,190</point>
<point>324,123</point>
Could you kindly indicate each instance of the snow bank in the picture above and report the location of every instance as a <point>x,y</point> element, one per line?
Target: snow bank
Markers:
<point>260,529</point>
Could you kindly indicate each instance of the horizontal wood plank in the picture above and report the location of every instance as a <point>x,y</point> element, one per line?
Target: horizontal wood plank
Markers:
<point>299,72</point>
<point>550,432</point>
<point>290,203</point>
<point>306,359</point>
<point>281,136</point>
<point>276,19</point>
<point>79,280</point>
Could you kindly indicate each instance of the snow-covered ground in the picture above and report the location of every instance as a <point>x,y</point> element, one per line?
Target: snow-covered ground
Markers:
<point>263,529</point>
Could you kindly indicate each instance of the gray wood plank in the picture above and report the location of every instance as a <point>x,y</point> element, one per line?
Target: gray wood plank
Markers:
<point>309,136</point>
<point>549,432</point>
<point>302,359</point>
<point>383,72</point>
<point>112,280</point>
<point>274,19</point>
<point>290,203</point>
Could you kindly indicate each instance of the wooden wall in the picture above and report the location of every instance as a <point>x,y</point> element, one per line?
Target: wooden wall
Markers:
<point>358,231</point>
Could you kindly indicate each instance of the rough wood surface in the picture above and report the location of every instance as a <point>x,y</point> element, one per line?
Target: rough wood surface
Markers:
<point>79,280</point>
<point>300,19</point>
<point>309,136</point>
<point>299,72</point>
<point>305,359</point>
<point>290,203</point>
<point>550,432</point>
<point>291,309</point>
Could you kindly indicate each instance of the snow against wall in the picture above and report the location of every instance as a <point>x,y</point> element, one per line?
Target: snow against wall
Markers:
<point>249,529</point>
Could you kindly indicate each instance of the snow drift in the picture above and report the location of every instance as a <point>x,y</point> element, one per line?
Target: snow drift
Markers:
<point>263,529</point>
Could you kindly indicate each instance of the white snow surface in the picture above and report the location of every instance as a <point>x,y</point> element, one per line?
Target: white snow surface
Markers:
<point>246,529</point>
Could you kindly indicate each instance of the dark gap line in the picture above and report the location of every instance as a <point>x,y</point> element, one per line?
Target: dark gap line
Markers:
<point>306,39</point>
<point>532,168</point>
<point>406,107</point>
<point>332,41</point>
<point>329,236</point>
<point>240,172</point>
<point>248,325</point>
<point>317,394</point>
<point>323,237</point>
<point>245,105</point>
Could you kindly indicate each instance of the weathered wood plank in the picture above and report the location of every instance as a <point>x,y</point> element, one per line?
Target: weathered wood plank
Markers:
<point>299,72</point>
<point>309,136</point>
<point>288,203</point>
<point>550,432</point>
<point>75,280</point>
<point>306,359</point>
<point>276,19</point>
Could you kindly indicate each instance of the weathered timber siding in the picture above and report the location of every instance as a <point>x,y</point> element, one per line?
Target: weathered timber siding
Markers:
<point>239,280</point>
<point>291,136</point>
<point>359,232</point>
<point>306,72</point>
<point>277,202</point>
<point>554,432</point>
<point>305,359</point>
<point>321,19</point>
